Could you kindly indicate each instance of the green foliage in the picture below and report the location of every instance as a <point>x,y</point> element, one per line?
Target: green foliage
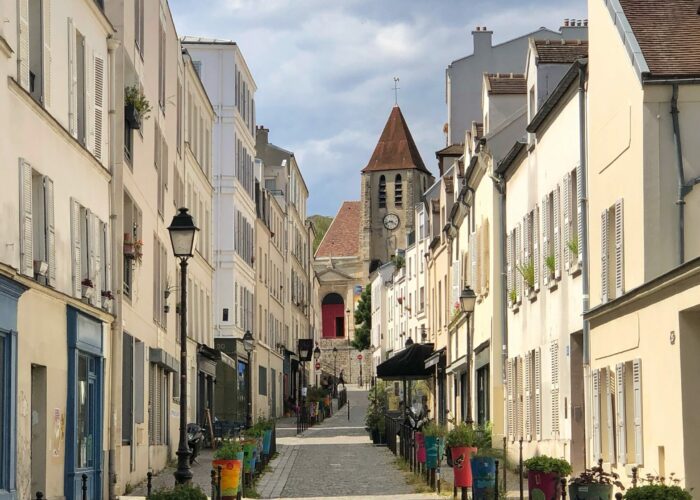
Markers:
<point>363,320</point>
<point>316,394</point>
<point>321,224</point>
<point>573,245</point>
<point>598,475</point>
<point>551,262</point>
<point>484,437</point>
<point>180,492</point>
<point>461,434</point>
<point>547,464</point>
<point>227,450</point>
<point>134,96</point>
<point>527,271</point>
<point>433,429</point>
<point>658,492</point>
<point>513,296</point>
<point>398,261</point>
<point>376,410</point>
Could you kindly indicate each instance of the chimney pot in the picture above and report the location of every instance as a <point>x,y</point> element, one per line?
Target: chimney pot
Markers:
<point>585,21</point>
<point>566,22</point>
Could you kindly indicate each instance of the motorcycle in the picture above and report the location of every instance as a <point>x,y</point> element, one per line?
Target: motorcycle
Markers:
<point>416,416</point>
<point>195,440</point>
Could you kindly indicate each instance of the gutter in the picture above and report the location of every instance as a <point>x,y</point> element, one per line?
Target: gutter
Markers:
<point>583,209</point>
<point>499,182</point>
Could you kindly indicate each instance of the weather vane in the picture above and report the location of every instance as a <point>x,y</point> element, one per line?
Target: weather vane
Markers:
<point>396,90</point>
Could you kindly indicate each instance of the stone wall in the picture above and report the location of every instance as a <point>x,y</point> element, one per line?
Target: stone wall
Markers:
<point>346,360</point>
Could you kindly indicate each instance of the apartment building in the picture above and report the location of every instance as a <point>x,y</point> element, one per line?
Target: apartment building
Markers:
<point>55,64</point>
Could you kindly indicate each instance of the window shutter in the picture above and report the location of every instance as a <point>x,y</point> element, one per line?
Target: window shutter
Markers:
<point>107,256</point>
<point>510,401</point>
<point>95,236</point>
<point>566,181</point>
<point>609,381</point>
<point>50,230</point>
<point>538,393</point>
<point>620,414</point>
<point>519,396</point>
<point>164,163</point>
<point>637,388</point>
<point>509,257</point>
<point>156,281</point>
<point>99,105</point>
<point>528,394</point>
<point>596,415</point>
<point>139,359</point>
<point>152,404</point>
<point>579,219</point>
<point>472,262</point>
<point>485,257</point>
<point>72,81</point>
<point>46,22</point>
<point>89,85</point>
<point>142,38</point>
<point>557,243</point>
<point>26,226</point>
<point>545,239</point>
<point>76,247</point>
<point>23,55</point>
<point>619,250</point>
<point>555,387</point>
<point>536,245</point>
<point>604,257</point>
<point>163,284</point>
<point>518,262</point>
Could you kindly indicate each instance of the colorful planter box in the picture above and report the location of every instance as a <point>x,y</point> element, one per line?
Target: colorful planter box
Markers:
<point>267,441</point>
<point>230,476</point>
<point>420,447</point>
<point>590,491</point>
<point>250,450</point>
<point>461,467</point>
<point>543,486</point>
<point>483,477</point>
<point>434,447</point>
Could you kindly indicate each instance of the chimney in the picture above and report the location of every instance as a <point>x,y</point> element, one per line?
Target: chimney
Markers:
<point>482,40</point>
<point>574,29</point>
<point>261,136</point>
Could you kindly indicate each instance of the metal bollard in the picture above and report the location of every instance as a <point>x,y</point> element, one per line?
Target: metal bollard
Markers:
<point>563,489</point>
<point>39,495</point>
<point>495,491</point>
<point>149,485</point>
<point>84,488</point>
<point>218,483</point>
<point>348,403</point>
<point>505,461</point>
<point>213,484</point>
<point>520,469</point>
<point>635,472</point>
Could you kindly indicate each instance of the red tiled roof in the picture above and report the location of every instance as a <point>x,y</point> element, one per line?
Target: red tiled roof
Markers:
<point>396,149</point>
<point>451,150</point>
<point>506,83</point>
<point>343,236</point>
<point>668,32</point>
<point>560,51</point>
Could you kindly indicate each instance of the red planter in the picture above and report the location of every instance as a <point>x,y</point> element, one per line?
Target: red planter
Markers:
<point>461,467</point>
<point>544,485</point>
<point>420,448</point>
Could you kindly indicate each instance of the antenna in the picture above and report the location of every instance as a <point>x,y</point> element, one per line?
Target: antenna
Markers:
<point>396,91</point>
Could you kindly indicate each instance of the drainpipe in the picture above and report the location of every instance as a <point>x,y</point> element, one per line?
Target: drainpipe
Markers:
<point>583,209</point>
<point>499,183</point>
<point>682,188</point>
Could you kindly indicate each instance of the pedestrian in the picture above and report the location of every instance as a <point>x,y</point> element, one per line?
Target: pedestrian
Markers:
<point>341,379</point>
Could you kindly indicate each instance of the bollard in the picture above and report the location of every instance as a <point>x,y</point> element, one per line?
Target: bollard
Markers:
<point>348,403</point>
<point>495,491</point>
<point>618,496</point>
<point>149,484</point>
<point>39,495</point>
<point>505,461</point>
<point>218,482</point>
<point>464,493</point>
<point>635,472</point>
<point>563,489</point>
<point>84,488</point>
<point>520,469</point>
<point>213,485</point>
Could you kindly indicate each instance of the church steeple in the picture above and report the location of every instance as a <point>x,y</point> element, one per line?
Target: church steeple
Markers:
<point>396,149</point>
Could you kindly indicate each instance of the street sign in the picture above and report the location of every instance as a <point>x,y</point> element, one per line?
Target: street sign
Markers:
<point>359,357</point>
<point>318,365</point>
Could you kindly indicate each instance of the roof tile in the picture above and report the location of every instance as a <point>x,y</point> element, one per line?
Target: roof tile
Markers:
<point>506,83</point>
<point>560,51</point>
<point>343,236</point>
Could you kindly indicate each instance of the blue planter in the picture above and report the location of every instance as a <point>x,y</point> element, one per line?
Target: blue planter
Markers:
<point>484,477</point>
<point>267,441</point>
<point>434,447</point>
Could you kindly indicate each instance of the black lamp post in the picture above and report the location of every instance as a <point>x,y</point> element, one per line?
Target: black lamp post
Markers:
<point>183,234</point>
<point>317,356</point>
<point>335,359</point>
<point>467,300</point>
<point>249,345</point>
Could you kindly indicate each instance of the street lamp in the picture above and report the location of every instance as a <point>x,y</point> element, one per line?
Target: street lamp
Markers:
<point>467,300</point>
<point>317,356</point>
<point>183,234</point>
<point>249,345</point>
<point>335,359</point>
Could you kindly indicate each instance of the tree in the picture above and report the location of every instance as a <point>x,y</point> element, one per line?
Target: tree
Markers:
<point>363,320</point>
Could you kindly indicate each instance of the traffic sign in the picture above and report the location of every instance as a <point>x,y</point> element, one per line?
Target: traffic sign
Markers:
<point>318,365</point>
<point>359,357</point>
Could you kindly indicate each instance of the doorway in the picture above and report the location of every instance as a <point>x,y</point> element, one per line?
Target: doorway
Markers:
<point>38,426</point>
<point>482,395</point>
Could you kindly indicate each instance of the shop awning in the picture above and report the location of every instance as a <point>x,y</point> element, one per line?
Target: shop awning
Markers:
<point>407,364</point>
<point>438,357</point>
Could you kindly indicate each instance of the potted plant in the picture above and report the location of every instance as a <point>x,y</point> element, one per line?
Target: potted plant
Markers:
<point>544,474</point>
<point>136,107</point>
<point>129,251</point>
<point>551,263</point>
<point>229,455</point>
<point>461,440</point>
<point>656,487</point>
<point>375,418</point>
<point>179,492</point>
<point>594,484</point>
<point>527,271</point>
<point>434,435</point>
<point>107,298</point>
<point>87,287</point>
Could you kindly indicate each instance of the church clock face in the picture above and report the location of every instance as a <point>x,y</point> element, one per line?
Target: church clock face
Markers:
<point>391,221</point>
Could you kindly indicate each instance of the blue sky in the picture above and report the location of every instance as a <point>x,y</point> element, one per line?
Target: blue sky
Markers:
<point>324,70</point>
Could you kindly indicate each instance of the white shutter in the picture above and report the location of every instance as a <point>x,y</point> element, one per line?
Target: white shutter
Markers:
<point>46,78</point>
<point>72,81</point>
<point>526,250</point>
<point>89,85</point>
<point>484,255</point>
<point>619,250</point>
<point>566,181</point>
<point>98,81</point>
<point>94,257</point>
<point>579,219</point>
<point>555,387</point>
<point>472,261</point>
<point>509,264</point>
<point>609,377</point>
<point>557,238</point>
<point>604,256</point>
<point>538,394</point>
<point>637,388</point>
<point>536,245</point>
<point>545,239</point>
<point>510,399</point>
<point>26,248</point>
<point>528,394</point>
<point>518,262</point>
<point>620,414</point>
<point>519,396</point>
<point>156,283</point>
<point>76,247</point>
<point>50,230</point>
<point>596,415</point>
<point>23,53</point>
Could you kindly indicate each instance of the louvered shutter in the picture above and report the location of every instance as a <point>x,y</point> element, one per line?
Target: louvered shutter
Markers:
<point>538,394</point>
<point>163,283</point>
<point>139,381</point>
<point>555,387</point>
<point>519,398</point>
<point>596,415</point>
<point>26,248</point>
<point>455,282</point>
<point>89,97</point>
<point>518,263</point>
<point>545,239</point>
<point>620,414</point>
<point>76,247</point>
<point>566,181</point>
<point>50,230</point>
<point>23,54</point>
<point>99,79</point>
<point>152,404</point>
<point>510,408</point>
<point>526,251</point>
<point>556,206</point>
<point>46,25</point>
<point>485,264</point>
<point>604,256</point>
<point>164,163</point>
<point>156,281</point>
<point>579,207</point>
<point>72,81</point>
<point>93,257</point>
<point>472,262</point>
<point>536,245</point>
<point>637,388</point>
<point>609,380</point>
<point>528,395</point>
<point>509,264</point>
<point>619,251</point>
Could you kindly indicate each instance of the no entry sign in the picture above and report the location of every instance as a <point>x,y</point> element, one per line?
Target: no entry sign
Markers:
<point>359,357</point>
<point>318,365</point>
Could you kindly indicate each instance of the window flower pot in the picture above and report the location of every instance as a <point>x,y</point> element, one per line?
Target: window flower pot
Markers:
<point>129,250</point>
<point>543,485</point>
<point>593,491</point>
<point>483,477</point>
<point>461,467</point>
<point>230,476</point>
<point>132,116</point>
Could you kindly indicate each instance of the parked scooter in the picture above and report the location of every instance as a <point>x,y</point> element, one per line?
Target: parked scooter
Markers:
<point>195,440</point>
<point>416,416</point>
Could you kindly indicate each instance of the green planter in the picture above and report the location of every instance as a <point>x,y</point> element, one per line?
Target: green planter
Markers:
<point>593,491</point>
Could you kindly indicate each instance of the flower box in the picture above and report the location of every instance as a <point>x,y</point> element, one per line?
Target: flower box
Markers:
<point>132,117</point>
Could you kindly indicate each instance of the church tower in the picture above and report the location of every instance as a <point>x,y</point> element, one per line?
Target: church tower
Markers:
<point>393,182</point>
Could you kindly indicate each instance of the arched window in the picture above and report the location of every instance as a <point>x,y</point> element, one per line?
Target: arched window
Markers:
<point>398,191</point>
<point>382,192</point>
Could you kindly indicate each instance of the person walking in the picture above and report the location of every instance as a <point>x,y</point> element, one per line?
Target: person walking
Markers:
<point>341,378</point>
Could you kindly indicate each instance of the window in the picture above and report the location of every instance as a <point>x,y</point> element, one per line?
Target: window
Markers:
<point>197,65</point>
<point>572,227</point>
<point>158,410</point>
<point>34,57</point>
<point>179,115</point>
<point>612,252</point>
<point>160,282</point>
<point>161,66</point>
<point>132,386</point>
<point>262,380</point>
<point>138,25</point>
<point>398,191</point>
<point>551,256</point>
<point>132,242</point>
<point>86,250</point>
<point>80,88</point>
<point>382,192</point>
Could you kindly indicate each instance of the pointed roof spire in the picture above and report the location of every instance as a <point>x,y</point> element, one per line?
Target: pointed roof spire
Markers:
<point>396,149</point>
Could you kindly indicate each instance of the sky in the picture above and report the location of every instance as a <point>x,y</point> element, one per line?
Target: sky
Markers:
<point>325,68</point>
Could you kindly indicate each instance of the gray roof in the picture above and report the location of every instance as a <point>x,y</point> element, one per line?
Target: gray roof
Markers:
<point>206,40</point>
